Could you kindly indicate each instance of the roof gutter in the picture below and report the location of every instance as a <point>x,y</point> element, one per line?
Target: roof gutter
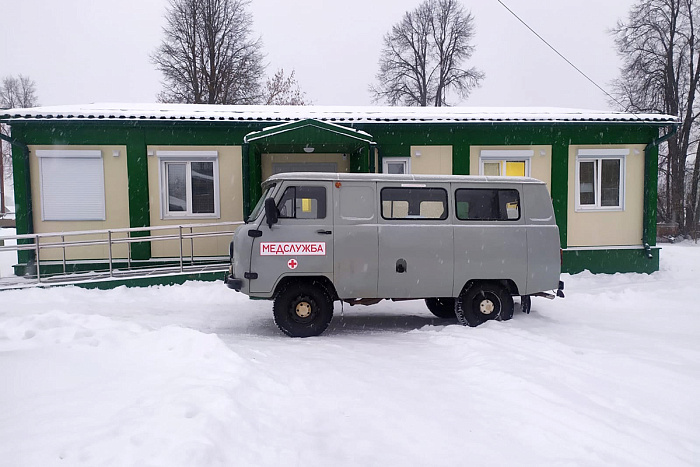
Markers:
<point>647,157</point>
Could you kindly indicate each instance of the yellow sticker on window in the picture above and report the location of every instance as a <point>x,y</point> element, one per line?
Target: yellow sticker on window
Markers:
<point>515,169</point>
<point>306,204</point>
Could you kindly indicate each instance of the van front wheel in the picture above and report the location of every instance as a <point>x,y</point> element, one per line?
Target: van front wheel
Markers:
<point>483,301</point>
<point>441,307</point>
<point>302,310</point>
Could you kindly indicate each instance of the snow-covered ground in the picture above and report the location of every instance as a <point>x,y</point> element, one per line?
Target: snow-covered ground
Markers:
<point>198,375</point>
<point>7,258</point>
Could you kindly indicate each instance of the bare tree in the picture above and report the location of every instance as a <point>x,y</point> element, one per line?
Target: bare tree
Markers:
<point>207,55</point>
<point>283,90</point>
<point>423,56</point>
<point>661,72</point>
<point>15,92</point>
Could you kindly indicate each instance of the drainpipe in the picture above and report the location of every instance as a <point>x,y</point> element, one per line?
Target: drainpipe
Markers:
<point>655,143</point>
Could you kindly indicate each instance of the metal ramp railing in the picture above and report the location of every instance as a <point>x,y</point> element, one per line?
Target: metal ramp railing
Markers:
<point>64,271</point>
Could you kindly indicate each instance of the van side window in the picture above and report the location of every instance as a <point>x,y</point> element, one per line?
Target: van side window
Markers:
<point>303,202</point>
<point>487,204</point>
<point>414,203</point>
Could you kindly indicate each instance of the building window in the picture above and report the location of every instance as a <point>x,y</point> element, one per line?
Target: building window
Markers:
<point>505,162</point>
<point>396,165</point>
<point>487,204</point>
<point>72,185</point>
<point>600,176</point>
<point>414,203</point>
<point>189,184</point>
<point>303,202</point>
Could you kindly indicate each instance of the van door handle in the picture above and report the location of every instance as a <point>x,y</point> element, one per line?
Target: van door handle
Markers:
<point>324,232</point>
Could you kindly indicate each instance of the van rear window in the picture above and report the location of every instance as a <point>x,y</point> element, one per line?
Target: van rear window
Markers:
<point>414,203</point>
<point>487,204</point>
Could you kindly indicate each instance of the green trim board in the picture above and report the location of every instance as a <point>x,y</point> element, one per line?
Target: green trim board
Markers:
<point>139,205</point>
<point>24,220</point>
<point>610,260</point>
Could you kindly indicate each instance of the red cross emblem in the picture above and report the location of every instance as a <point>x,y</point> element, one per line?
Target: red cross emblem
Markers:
<point>292,264</point>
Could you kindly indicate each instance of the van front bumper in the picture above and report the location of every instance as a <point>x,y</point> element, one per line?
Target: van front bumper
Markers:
<point>233,283</point>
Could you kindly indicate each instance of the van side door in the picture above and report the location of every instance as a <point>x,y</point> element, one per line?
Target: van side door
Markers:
<point>301,242</point>
<point>356,247</point>
<point>543,254</point>
<point>489,233</point>
<point>416,257</point>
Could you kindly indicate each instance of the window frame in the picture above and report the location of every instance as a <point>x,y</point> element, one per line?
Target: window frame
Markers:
<point>445,216</point>
<point>78,154</point>
<point>599,155</point>
<point>187,158</point>
<point>406,161</point>
<point>481,220</point>
<point>295,187</point>
<point>503,156</point>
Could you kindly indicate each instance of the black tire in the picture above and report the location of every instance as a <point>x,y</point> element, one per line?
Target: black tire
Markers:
<point>303,310</point>
<point>483,301</point>
<point>442,307</point>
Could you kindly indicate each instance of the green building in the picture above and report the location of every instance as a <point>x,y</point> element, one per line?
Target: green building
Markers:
<point>114,166</point>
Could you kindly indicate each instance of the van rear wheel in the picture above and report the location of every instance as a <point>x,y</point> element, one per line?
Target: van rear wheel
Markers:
<point>441,307</point>
<point>484,301</point>
<point>302,310</point>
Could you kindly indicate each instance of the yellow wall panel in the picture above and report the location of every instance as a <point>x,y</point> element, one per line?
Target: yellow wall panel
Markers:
<point>116,206</point>
<point>433,160</point>
<point>609,228</point>
<point>230,202</point>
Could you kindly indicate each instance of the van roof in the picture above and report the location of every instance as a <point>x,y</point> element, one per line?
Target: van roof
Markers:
<point>332,176</point>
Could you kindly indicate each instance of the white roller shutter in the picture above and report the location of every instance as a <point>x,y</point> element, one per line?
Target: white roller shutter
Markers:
<point>72,185</point>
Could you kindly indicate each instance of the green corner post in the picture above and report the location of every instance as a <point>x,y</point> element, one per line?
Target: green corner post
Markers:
<point>137,171</point>
<point>245,164</point>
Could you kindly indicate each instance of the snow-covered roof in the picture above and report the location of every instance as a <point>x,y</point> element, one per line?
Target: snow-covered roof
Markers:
<point>362,114</point>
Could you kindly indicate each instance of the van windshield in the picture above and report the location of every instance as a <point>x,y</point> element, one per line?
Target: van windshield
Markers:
<point>259,206</point>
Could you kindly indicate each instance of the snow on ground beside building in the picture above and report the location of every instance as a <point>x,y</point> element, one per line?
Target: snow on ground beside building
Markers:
<point>7,258</point>
<point>198,375</point>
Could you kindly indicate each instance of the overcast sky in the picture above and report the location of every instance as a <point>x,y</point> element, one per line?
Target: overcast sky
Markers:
<point>83,51</point>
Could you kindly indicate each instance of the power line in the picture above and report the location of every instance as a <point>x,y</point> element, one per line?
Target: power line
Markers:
<point>562,56</point>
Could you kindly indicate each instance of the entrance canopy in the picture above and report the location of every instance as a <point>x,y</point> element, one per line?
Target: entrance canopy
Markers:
<point>302,137</point>
<point>309,136</point>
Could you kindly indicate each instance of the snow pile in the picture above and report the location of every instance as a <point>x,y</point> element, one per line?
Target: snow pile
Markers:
<point>198,375</point>
<point>86,389</point>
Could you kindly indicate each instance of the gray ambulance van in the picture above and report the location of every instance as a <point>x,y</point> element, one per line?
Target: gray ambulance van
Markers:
<point>464,244</point>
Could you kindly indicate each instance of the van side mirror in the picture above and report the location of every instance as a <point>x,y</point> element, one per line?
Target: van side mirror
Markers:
<point>270,211</point>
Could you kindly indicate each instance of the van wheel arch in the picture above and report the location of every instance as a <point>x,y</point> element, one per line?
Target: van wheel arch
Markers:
<point>314,281</point>
<point>508,284</point>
